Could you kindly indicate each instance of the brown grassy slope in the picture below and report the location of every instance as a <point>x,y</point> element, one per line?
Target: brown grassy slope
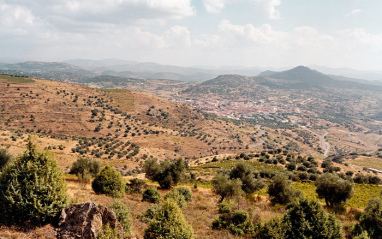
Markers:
<point>172,129</point>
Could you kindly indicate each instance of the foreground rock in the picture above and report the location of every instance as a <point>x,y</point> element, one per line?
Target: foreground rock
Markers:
<point>85,220</point>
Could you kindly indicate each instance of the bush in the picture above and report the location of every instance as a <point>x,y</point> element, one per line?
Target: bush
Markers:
<point>370,221</point>
<point>177,197</point>
<point>85,164</point>
<point>225,207</point>
<point>32,189</point>
<point>169,222</point>
<point>301,168</point>
<point>280,190</point>
<point>167,173</point>
<point>291,166</point>
<point>136,185</point>
<point>151,195</point>
<point>185,192</point>
<point>334,189</point>
<point>5,158</point>
<point>273,229</point>
<point>238,223</point>
<point>307,219</point>
<point>108,232</point>
<point>110,182</point>
<point>150,213</point>
<point>123,215</point>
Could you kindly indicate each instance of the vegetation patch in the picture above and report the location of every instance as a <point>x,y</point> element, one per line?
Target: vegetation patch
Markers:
<point>16,79</point>
<point>229,164</point>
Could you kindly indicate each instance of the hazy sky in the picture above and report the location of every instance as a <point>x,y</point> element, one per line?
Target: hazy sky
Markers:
<point>278,33</point>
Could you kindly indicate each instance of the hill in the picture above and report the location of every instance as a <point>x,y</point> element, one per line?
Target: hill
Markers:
<point>299,96</point>
<point>91,118</point>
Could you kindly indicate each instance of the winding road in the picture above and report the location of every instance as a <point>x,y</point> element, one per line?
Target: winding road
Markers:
<point>262,132</point>
<point>324,145</point>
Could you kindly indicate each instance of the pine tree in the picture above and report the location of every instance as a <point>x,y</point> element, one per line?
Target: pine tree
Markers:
<point>32,189</point>
<point>169,223</point>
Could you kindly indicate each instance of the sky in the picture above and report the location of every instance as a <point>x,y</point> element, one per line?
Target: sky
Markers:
<point>203,33</point>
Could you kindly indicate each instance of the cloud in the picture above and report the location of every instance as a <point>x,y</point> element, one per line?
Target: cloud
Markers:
<point>354,12</point>
<point>214,6</point>
<point>15,19</point>
<point>249,35</point>
<point>269,6</point>
<point>359,39</point>
<point>86,14</point>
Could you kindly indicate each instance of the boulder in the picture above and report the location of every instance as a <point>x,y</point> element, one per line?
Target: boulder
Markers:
<point>85,220</point>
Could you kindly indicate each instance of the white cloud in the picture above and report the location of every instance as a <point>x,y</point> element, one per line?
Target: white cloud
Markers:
<point>15,19</point>
<point>92,14</point>
<point>354,12</point>
<point>214,6</point>
<point>249,34</point>
<point>269,6</point>
<point>177,36</point>
<point>359,39</point>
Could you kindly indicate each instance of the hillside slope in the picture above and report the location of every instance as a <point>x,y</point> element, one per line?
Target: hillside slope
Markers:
<point>159,127</point>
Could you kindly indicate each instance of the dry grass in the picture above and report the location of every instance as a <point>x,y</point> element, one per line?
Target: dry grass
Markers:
<point>369,162</point>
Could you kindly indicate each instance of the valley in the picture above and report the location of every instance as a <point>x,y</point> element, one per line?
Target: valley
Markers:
<point>261,121</point>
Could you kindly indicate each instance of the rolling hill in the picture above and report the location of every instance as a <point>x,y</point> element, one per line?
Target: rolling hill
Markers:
<point>160,128</point>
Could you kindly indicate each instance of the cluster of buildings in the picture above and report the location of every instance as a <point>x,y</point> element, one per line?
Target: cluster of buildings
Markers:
<point>247,109</point>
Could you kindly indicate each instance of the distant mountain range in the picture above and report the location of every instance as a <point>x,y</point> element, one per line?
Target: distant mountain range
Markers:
<point>82,71</point>
<point>298,78</point>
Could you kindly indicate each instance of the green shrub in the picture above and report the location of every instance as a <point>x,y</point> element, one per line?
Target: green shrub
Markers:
<point>5,158</point>
<point>273,229</point>
<point>151,195</point>
<point>85,164</point>
<point>185,192</point>
<point>371,219</point>
<point>150,213</point>
<point>110,182</point>
<point>136,185</point>
<point>363,235</point>
<point>307,219</point>
<point>108,232</point>
<point>123,215</point>
<point>32,189</point>
<point>177,197</point>
<point>237,222</point>
<point>169,222</point>
<point>225,207</point>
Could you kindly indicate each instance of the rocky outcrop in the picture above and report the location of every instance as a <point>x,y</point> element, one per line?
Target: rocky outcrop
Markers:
<point>85,220</point>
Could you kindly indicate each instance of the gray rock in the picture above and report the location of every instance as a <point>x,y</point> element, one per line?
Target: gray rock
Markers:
<point>85,220</point>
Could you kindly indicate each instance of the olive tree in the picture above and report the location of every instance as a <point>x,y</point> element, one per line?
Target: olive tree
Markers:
<point>226,187</point>
<point>334,189</point>
<point>280,190</point>
<point>244,172</point>
<point>167,173</point>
